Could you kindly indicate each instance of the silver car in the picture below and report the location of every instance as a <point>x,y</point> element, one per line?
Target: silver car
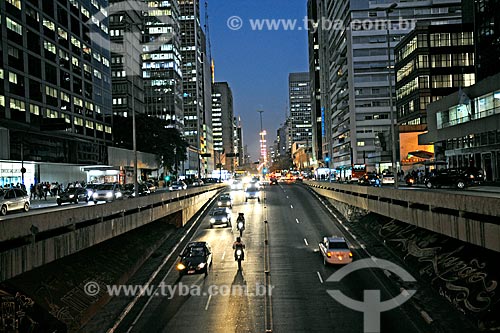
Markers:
<point>13,199</point>
<point>107,192</point>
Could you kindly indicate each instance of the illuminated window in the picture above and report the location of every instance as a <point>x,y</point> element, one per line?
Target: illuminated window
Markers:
<point>13,78</point>
<point>50,47</point>
<point>14,26</point>
<point>78,121</point>
<point>49,24</point>
<point>17,105</point>
<point>15,3</point>
<point>35,109</point>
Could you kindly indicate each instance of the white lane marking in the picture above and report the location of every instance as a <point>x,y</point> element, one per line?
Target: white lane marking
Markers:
<point>208,302</point>
<point>297,220</point>
<point>223,255</point>
<point>320,278</point>
<point>291,206</point>
<point>287,197</point>
<point>305,241</point>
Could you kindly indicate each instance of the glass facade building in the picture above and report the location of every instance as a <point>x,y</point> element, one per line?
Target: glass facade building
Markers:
<point>162,65</point>
<point>55,80</point>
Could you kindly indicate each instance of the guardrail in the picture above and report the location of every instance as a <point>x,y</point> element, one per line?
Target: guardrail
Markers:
<point>473,219</point>
<point>31,240</point>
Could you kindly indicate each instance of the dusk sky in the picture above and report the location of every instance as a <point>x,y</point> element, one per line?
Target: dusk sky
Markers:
<point>257,63</point>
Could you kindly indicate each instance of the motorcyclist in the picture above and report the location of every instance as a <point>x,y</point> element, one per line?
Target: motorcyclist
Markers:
<point>241,218</point>
<point>239,245</point>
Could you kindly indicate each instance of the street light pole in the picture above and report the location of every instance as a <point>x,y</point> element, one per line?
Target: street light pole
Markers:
<point>389,10</point>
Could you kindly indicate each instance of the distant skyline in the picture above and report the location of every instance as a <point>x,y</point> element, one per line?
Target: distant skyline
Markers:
<point>256,64</point>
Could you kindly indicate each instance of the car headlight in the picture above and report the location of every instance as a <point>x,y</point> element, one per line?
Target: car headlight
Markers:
<point>109,195</point>
<point>200,266</point>
<point>71,196</point>
<point>170,188</point>
<point>89,193</point>
<point>471,176</point>
<point>58,197</point>
<point>94,195</point>
<point>119,194</point>
<point>219,203</point>
<point>212,220</point>
<point>180,266</point>
<point>238,252</point>
<point>224,219</point>
<point>247,194</point>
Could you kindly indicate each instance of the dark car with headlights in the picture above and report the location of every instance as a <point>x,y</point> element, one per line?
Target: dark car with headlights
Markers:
<point>195,259</point>
<point>221,216</point>
<point>73,195</point>
<point>128,190</point>
<point>458,178</point>
<point>369,179</point>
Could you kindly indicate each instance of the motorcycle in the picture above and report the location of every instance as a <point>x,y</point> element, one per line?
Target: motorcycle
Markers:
<point>240,223</point>
<point>239,256</point>
<point>410,180</point>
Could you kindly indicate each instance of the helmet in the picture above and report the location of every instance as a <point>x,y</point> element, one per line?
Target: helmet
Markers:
<point>238,239</point>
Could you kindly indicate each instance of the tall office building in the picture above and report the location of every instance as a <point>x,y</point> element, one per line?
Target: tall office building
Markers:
<point>300,107</point>
<point>55,90</point>
<point>239,148</point>
<point>317,112</point>
<point>222,123</point>
<point>195,63</point>
<point>432,61</point>
<point>125,29</point>
<point>357,96</point>
<point>162,68</point>
<point>485,15</point>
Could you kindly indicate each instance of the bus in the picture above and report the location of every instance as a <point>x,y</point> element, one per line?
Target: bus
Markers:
<point>358,171</point>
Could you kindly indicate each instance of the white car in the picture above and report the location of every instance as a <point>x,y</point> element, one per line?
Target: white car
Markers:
<point>107,192</point>
<point>388,178</point>
<point>335,250</point>
<point>177,186</point>
<point>13,199</point>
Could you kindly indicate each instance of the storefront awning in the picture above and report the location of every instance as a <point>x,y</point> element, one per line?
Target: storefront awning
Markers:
<point>421,154</point>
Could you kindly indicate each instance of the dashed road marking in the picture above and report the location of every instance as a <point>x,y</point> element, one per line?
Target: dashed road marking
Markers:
<point>320,278</point>
<point>305,241</point>
<point>208,302</point>
<point>297,220</point>
<point>291,206</point>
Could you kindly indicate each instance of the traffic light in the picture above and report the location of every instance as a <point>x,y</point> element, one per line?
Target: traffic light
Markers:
<point>167,178</point>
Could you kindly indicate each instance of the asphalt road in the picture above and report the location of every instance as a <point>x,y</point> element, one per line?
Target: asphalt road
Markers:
<point>298,301</point>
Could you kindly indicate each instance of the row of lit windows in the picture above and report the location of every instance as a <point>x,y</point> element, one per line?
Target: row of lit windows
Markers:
<point>19,105</point>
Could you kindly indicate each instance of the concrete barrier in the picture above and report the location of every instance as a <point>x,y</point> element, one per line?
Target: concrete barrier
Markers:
<point>30,241</point>
<point>473,219</point>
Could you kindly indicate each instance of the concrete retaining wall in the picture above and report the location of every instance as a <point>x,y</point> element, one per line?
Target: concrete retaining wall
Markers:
<point>472,219</point>
<point>43,238</point>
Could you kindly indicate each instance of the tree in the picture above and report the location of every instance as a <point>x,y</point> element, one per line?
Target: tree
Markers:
<point>153,136</point>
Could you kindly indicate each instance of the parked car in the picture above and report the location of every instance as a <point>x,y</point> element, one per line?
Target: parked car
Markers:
<point>369,179</point>
<point>177,186</point>
<point>335,250</point>
<point>13,199</point>
<point>220,216</point>
<point>73,195</point>
<point>195,259</point>
<point>107,192</point>
<point>459,178</point>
